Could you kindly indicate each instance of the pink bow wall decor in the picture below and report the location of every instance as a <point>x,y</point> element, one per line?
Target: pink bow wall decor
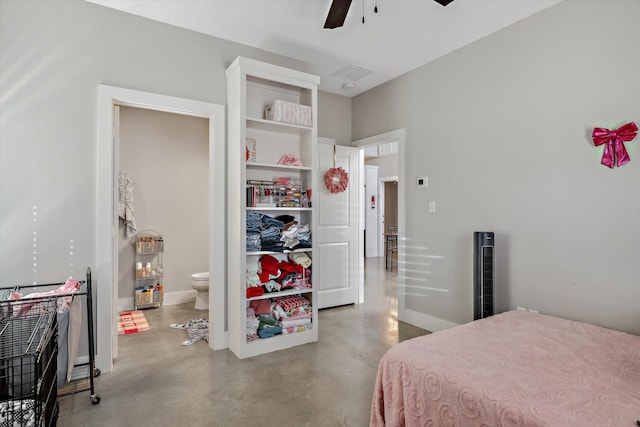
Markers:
<point>614,149</point>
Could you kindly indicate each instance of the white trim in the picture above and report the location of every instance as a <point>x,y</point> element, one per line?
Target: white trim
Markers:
<point>170,298</point>
<point>380,219</point>
<point>106,238</point>
<point>391,136</point>
<point>382,214</point>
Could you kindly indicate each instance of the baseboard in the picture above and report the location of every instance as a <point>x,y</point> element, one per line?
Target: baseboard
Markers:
<point>220,344</point>
<point>424,321</point>
<point>170,298</point>
<point>173,298</point>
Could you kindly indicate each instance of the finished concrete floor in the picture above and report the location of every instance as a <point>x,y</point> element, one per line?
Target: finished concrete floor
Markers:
<point>158,382</point>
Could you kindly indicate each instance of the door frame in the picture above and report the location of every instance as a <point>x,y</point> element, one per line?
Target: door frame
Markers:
<point>398,135</point>
<point>371,236</point>
<point>107,211</point>
<point>382,214</point>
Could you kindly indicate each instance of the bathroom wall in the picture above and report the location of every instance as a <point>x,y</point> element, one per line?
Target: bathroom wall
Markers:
<point>167,156</point>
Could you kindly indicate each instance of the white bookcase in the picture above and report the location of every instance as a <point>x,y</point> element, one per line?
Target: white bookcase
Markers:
<point>251,87</point>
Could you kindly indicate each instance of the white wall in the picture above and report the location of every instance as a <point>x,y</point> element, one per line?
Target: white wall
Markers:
<point>387,165</point>
<point>167,155</point>
<point>502,129</point>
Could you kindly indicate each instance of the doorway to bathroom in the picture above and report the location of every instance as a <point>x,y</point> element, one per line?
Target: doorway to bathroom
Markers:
<point>163,160</point>
<point>107,271</point>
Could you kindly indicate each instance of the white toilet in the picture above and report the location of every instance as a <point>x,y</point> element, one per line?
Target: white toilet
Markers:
<point>200,282</point>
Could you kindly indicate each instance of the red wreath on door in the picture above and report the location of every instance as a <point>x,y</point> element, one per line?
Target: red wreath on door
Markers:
<point>336,179</point>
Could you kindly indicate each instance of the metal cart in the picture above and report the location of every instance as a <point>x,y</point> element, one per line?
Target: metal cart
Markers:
<point>29,350</point>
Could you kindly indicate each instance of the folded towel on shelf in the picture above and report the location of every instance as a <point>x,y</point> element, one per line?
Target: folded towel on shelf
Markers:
<point>294,329</point>
<point>288,323</point>
<point>255,291</point>
<point>253,267</point>
<point>268,268</point>
<point>260,306</point>
<point>300,258</point>
<point>291,301</point>
<point>270,331</point>
<point>252,324</point>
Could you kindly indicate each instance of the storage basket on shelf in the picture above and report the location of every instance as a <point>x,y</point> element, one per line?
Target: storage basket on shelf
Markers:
<point>289,112</point>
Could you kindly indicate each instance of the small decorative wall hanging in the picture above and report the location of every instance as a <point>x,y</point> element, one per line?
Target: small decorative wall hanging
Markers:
<point>336,179</point>
<point>614,150</point>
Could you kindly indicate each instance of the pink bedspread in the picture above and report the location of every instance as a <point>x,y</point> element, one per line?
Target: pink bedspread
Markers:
<point>511,369</point>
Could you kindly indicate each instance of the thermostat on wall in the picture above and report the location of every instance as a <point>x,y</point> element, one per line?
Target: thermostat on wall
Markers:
<point>422,182</point>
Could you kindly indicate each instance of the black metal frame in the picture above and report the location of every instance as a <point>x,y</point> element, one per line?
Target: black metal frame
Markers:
<point>93,371</point>
<point>28,392</point>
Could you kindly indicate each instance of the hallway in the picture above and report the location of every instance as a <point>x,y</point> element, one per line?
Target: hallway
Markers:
<point>158,382</point>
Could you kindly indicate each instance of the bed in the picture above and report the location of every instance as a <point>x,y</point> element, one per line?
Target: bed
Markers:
<point>512,369</point>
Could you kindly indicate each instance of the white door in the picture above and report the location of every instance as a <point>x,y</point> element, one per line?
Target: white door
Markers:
<point>337,235</point>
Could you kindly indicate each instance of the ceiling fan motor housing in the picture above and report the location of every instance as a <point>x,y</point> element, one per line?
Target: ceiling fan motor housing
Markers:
<point>339,9</point>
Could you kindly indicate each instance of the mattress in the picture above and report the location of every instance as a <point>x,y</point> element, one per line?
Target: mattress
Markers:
<point>512,369</point>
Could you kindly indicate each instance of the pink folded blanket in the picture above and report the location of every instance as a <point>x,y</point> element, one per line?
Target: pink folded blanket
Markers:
<point>63,303</point>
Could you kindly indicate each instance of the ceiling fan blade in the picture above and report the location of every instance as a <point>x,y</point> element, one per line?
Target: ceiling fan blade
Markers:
<point>443,2</point>
<point>337,13</point>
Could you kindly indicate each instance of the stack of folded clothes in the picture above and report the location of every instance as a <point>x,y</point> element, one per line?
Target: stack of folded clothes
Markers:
<point>270,231</point>
<point>281,315</point>
<point>277,234</point>
<point>293,312</point>
<point>304,236</point>
<point>274,275</point>
<point>254,225</point>
<point>252,325</point>
<point>268,326</point>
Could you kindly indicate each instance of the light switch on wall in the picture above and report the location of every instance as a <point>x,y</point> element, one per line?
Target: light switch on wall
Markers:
<point>432,207</point>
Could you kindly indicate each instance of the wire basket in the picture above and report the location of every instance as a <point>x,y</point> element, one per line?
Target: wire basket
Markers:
<point>28,362</point>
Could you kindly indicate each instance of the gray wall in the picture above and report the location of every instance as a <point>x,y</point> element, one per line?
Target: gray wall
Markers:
<point>53,55</point>
<point>502,129</point>
<point>167,155</point>
<point>334,117</point>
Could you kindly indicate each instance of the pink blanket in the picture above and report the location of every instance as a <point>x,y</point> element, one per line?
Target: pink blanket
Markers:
<point>511,369</point>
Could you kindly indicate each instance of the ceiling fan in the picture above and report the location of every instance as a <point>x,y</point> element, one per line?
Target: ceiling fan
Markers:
<point>339,8</point>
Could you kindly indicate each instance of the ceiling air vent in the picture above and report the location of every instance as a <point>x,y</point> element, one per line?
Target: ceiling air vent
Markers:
<point>352,72</point>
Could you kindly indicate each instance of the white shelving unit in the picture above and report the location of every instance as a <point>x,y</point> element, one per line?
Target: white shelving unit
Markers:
<point>251,87</point>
